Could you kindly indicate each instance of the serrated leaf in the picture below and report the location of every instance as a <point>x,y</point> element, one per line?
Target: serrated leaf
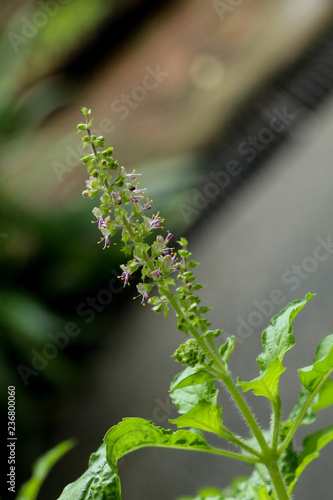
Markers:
<point>226,348</point>
<point>189,396</point>
<point>278,338</point>
<point>203,416</point>
<point>267,384</point>
<point>311,449</point>
<point>311,376</point>
<point>98,482</point>
<point>198,377</point>
<point>135,433</point>
<point>41,468</point>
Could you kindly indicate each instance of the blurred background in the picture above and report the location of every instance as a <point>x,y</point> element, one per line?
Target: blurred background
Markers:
<point>226,108</point>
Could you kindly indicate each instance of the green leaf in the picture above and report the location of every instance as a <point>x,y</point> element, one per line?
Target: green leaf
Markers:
<point>311,448</point>
<point>267,384</point>
<point>41,468</point>
<point>98,482</point>
<point>309,416</point>
<point>189,396</point>
<point>322,400</point>
<point>255,487</point>
<point>226,348</point>
<point>169,281</point>
<point>166,310</point>
<point>204,416</point>
<point>198,377</point>
<point>81,126</point>
<point>311,376</point>
<point>278,338</point>
<point>135,433</point>
<point>325,398</point>
<point>86,111</point>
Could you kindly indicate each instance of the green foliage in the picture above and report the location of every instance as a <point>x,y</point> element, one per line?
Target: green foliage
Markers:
<point>277,339</point>
<point>99,482</point>
<point>135,433</point>
<point>204,416</point>
<point>277,466</point>
<point>254,487</point>
<point>197,378</point>
<point>316,374</point>
<point>312,445</point>
<point>226,348</point>
<point>186,397</point>
<point>41,469</point>
<point>266,384</point>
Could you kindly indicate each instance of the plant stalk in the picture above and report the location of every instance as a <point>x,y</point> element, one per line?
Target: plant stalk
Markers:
<point>277,480</point>
<point>276,423</point>
<point>301,414</point>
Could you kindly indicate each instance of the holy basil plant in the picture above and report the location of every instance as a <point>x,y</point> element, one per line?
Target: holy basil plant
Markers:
<point>277,467</point>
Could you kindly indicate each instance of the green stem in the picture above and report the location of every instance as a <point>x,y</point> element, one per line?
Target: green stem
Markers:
<point>204,347</point>
<point>216,354</point>
<point>224,375</point>
<point>276,423</point>
<point>230,436</point>
<point>130,230</point>
<point>301,414</point>
<point>277,480</point>
<point>226,379</point>
<point>215,451</point>
<point>245,410</point>
<point>91,143</point>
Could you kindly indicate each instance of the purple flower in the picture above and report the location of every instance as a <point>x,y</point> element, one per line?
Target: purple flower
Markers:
<point>132,175</point>
<point>116,197</point>
<point>136,194</point>
<point>156,274</point>
<point>145,296</point>
<point>147,205</point>
<point>156,221</point>
<point>143,292</point>
<point>153,223</point>
<point>106,240</point>
<point>125,276</point>
<point>106,235</point>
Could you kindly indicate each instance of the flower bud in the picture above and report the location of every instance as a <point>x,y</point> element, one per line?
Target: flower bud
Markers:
<point>189,353</point>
